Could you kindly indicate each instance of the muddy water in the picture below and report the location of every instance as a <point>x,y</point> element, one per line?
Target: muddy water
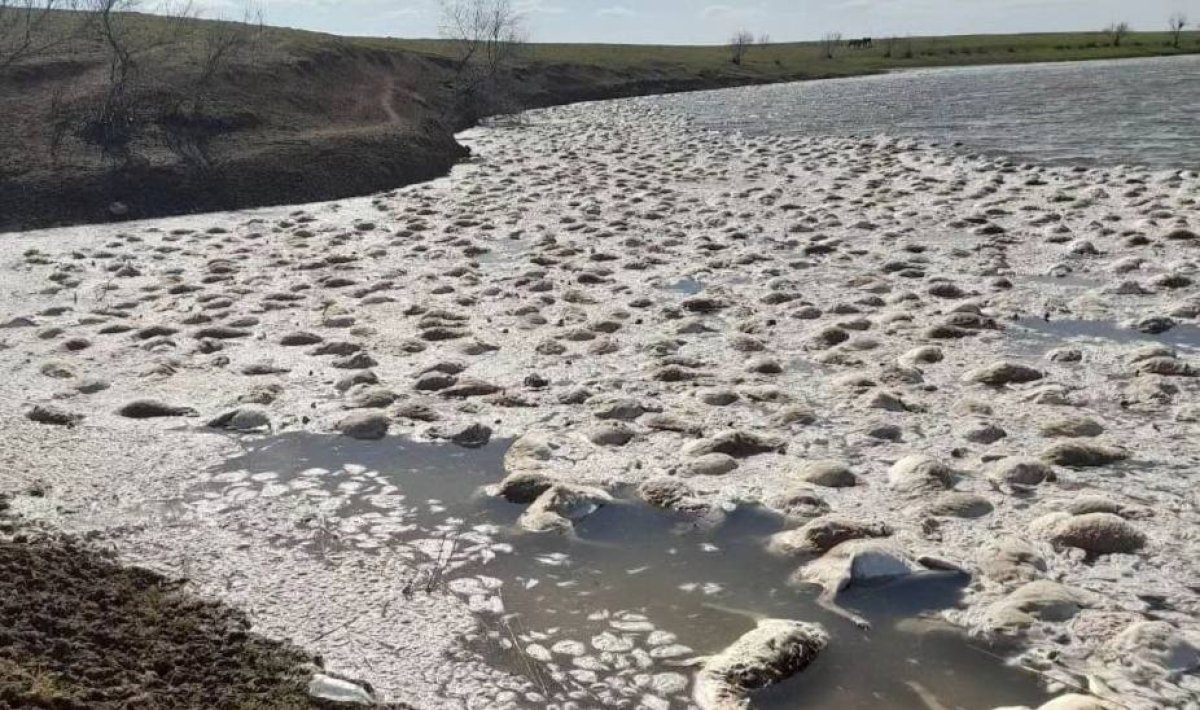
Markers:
<point>616,615</point>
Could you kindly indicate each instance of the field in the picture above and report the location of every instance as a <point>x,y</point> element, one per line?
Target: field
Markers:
<point>810,58</point>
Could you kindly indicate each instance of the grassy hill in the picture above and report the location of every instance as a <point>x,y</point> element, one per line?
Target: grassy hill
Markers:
<point>295,116</point>
<point>809,58</point>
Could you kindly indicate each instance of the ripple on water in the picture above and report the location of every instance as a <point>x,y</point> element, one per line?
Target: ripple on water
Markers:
<point>1038,333</point>
<point>1043,113</point>
<point>624,607</point>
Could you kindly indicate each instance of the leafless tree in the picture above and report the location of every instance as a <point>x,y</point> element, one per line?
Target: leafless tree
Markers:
<point>485,33</point>
<point>764,39</point>
<point>487,36</point>
<point>830,42</point>
<point>117,121</point>
<point>110,127</point>
<point>1177,22</point>
<point>30,28</point>
<point>739,45</point>
<point>1117,31</point>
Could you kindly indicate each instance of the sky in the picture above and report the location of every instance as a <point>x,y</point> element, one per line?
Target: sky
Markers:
<point>713,21</point>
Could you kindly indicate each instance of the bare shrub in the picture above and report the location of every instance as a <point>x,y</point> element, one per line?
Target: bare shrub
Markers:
<point>1177,23</point>
<point>830,43</point>
<point>120,117</point>
<point>1117,31</point>
<point>135,98</point>
<point>31,28</point>
<point>739,45</point>
<point>187,126</point>
<point>487,37</point>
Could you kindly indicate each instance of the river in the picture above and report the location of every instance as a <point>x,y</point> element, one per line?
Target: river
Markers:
<point>1131,112</point>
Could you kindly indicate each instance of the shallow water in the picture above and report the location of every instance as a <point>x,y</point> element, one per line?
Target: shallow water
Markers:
<point>643,590</point>
<point>686,286</point>
<point>1055,332</point>
<point>1078,281</point>
<point>1135,112</point>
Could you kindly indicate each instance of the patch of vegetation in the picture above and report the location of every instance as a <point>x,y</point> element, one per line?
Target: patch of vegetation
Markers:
<point>789,59</point>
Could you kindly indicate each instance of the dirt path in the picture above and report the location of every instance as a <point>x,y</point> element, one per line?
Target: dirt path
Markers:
<point>386,98</point>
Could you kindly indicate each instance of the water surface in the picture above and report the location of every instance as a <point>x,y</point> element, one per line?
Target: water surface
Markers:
<point>1055,332</point>
<point>1133,111</point>
<point>638,592</point>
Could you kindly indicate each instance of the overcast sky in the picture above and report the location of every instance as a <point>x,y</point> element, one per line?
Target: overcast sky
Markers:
<point>712,21</point>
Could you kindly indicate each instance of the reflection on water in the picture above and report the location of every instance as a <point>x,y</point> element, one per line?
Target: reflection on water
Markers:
<point>623,609</point>
<point>1055,332</point>
<point>688,286</point>
<point>1135,112</point>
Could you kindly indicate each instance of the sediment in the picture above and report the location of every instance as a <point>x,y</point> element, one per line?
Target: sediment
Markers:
<point>849,344</point>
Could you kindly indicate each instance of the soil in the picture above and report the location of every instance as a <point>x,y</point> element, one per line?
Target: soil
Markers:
<point>290,125</point>
<point>78,630</point>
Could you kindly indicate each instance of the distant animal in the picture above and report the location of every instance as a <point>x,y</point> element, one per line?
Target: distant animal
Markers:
<point>864,43</point>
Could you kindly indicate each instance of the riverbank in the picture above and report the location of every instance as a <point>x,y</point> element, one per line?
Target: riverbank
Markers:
<point>305,117</point>
<point>82,631</point>
<point>869,337</point>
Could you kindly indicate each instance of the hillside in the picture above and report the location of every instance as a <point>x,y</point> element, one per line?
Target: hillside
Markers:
<point>297,116</point>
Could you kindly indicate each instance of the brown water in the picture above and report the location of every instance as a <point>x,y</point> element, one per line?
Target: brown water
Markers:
<point>637,594</point>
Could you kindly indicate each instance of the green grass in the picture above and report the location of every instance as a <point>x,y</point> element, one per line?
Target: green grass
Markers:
<point>808,58</point>
<point>765,62</point>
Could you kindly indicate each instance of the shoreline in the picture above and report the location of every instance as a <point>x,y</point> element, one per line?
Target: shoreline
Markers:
<point>291,164</point>
<point>553,253</point>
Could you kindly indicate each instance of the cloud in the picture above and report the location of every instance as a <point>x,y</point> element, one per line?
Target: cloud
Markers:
<point>615,11</point>
<point>537,7</point>
<point>724,12</point>
<point>404,11</point>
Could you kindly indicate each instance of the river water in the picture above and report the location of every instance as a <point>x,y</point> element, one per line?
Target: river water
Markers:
<point>1132,112</point>
<point>629,599</point>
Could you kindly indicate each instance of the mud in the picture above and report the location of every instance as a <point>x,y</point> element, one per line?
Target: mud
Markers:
<point>78,630</point>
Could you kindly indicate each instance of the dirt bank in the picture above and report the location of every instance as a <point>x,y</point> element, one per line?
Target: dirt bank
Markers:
<point>78,630</point>
<point>293,116</point>
<point>302,118</point>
